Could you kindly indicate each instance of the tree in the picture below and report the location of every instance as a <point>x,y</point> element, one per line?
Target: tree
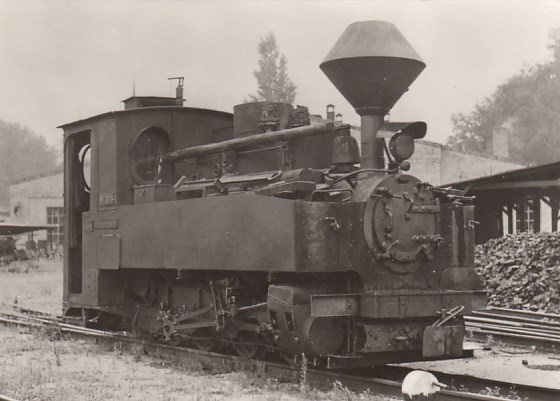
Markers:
<point>274,84</point>
<point>529,102</point>
<point>23,154</point>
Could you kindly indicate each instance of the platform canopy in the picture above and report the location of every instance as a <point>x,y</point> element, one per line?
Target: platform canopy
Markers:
<point>19,228</point>
<point>513,199</point>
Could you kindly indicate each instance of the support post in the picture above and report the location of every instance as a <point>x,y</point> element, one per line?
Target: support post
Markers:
<point>536,214</point>
<point>521,216</point>
<point>554,212</point>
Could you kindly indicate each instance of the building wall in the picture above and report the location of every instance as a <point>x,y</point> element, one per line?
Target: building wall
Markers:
<point>438,164</point>
<point>30,199</point>
<point>426,162</point>
<point>4,212</point>
<point>456,166</point>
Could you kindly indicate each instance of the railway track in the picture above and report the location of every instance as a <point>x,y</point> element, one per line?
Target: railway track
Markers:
<point>385,381</point>
<point>6,398</point>
<point>516,327</point>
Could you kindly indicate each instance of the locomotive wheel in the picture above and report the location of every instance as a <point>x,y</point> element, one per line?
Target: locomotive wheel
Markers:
<point>291,359</point>
<point>175,341</point>
<point>206,345</point>
<point>249,351</point>
<point>248,346</point>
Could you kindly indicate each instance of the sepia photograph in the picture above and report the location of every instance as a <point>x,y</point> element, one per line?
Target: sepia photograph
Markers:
<point>278,200</point>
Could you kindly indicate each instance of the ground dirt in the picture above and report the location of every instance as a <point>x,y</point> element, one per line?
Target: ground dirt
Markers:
<point>38,365</point>
<point>504,363</point>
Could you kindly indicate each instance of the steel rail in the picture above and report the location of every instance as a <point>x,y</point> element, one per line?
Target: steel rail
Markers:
<point>514,330</point>
<point>23,309</point>
<point>316,377</point>
<point>6,398</point>
<point>516,339</point>
<point>519,312</point>
<point>516,327</point>
<point>517,319</point>
<point>514,323</point>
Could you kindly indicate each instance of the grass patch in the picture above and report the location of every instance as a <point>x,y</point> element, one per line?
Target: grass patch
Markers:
<point>32,284</point>
<point>44,364</point>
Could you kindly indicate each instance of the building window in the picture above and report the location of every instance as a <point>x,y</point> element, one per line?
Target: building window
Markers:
<point>55,217</point>
<point>528,210</point>
<point>530,218</point>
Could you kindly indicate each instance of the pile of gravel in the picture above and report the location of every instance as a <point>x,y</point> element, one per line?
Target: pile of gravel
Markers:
<point>522,271</point>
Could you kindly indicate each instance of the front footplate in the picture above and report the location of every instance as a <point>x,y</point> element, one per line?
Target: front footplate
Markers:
<point>427,343</point>
<point>392,326</point>
<point>393,304</point>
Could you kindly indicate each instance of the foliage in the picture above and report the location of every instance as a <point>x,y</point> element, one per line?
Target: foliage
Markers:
<point>529,103</point>
<point>274,84</point>
<point>23,154</point>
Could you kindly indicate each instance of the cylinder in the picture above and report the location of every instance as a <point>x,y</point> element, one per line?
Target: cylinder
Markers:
<point>372,147</point>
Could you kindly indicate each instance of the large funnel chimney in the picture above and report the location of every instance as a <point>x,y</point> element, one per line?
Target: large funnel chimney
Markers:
<point>372,65</point>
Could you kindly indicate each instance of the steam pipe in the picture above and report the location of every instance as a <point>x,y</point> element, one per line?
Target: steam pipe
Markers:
<point>372,147</point>
<point>246,141</point>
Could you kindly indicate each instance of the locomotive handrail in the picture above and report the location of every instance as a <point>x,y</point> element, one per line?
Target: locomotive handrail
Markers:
<point>281,135</point>
<point>317,191</point>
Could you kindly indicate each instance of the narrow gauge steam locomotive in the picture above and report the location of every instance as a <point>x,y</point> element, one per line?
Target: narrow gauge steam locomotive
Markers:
<point>259,230</point>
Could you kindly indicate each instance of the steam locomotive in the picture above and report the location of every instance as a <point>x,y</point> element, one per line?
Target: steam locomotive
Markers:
<point>262,231</point>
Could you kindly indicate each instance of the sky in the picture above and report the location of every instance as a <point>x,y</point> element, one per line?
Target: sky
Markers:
<point>66,60</point>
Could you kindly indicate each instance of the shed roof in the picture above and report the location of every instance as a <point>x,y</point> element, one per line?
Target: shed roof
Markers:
<point>543,176</point>
<point>19,228</point>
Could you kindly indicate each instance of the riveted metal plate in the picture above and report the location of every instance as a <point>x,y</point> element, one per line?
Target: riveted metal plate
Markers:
<point>392,337</point>
<point>108,251</point>
<point>444,341</point>
<point>335,305</point>
<point>106,224</point>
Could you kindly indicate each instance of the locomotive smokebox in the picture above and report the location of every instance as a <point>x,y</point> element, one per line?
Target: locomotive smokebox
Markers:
<point>372,65</point>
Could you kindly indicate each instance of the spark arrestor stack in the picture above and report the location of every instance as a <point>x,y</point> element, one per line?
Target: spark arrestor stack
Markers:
<point>372,65</point>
